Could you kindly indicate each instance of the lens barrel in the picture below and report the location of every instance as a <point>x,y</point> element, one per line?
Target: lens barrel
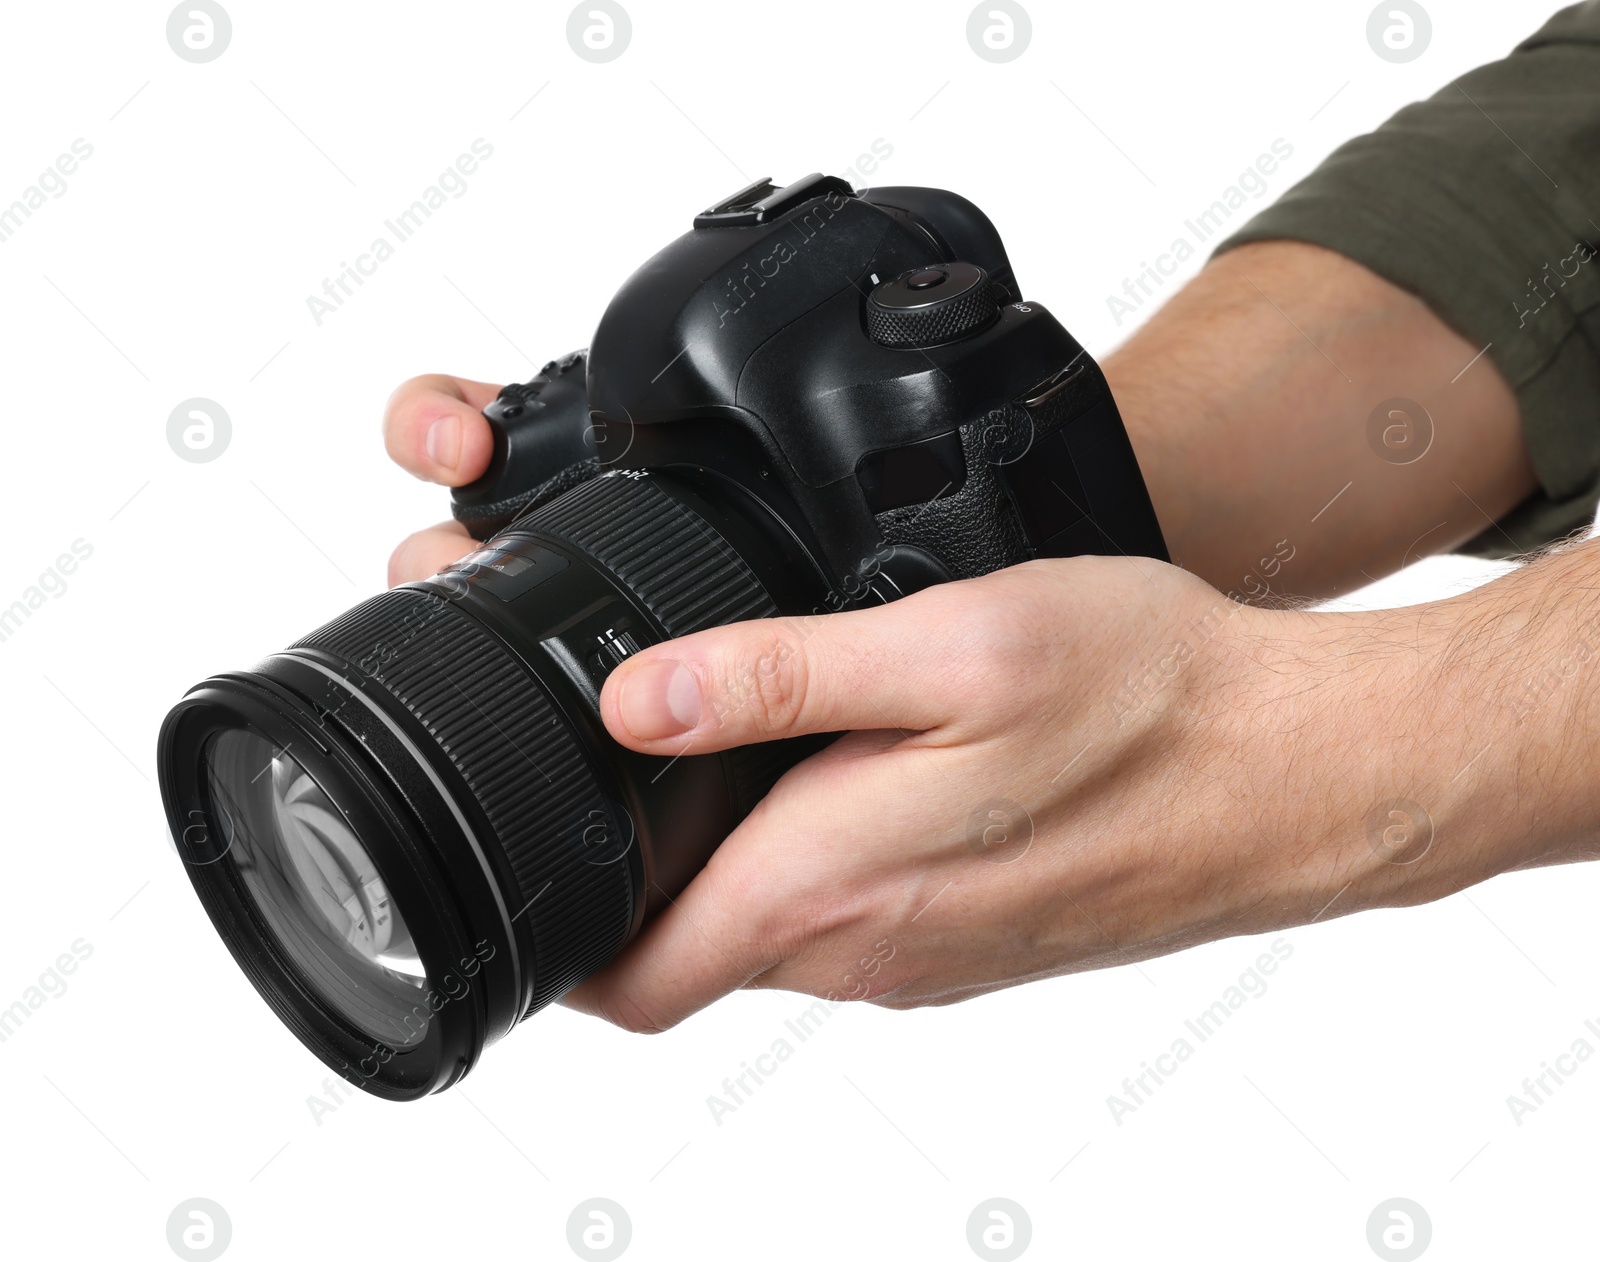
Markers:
<point>452,727</point>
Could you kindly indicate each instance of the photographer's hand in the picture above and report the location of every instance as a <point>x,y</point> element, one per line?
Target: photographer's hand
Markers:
<point>1188,768</point>
<point>1082,763</point>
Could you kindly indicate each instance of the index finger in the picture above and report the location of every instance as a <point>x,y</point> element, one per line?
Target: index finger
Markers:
<point>706,943</point>
<point>433,427</point>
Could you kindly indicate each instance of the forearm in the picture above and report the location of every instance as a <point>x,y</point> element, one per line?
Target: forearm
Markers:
<point>1248,399</point>
<point>1435,746</point>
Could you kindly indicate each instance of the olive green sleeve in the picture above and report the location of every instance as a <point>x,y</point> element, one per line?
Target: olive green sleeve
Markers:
<point>1484,201</point>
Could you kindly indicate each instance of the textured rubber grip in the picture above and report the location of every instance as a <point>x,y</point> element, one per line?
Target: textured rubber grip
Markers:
<point>683,571</point>
<point>485,520</point>
<point>972,532</point>
<point>521,762</point>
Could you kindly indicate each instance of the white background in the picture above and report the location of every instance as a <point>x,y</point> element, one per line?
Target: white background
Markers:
<point>177,264</point>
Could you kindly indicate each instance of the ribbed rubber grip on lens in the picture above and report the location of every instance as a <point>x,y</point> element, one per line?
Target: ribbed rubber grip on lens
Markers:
<point>519,760</point>
<point>684,572</point>
<point>678,566</point>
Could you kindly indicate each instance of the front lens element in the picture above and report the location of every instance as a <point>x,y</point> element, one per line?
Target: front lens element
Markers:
<point>316,886</point>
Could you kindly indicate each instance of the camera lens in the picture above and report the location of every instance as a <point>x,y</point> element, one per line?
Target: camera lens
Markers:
<point>411,828</point>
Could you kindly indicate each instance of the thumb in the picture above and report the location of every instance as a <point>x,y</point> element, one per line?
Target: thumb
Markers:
<point>885,667</point>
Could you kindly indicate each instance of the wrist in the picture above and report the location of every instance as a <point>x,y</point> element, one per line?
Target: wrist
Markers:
<point>1425,749</point>
<point>1376,738</point>
<point>1520,669</point>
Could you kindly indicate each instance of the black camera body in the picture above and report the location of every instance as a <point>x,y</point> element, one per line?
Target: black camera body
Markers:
<point>411,827</point>
<point>860,365</point>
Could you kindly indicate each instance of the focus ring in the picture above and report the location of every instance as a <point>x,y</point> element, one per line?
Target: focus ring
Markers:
<point>519,760</point>
<point>683,572</point>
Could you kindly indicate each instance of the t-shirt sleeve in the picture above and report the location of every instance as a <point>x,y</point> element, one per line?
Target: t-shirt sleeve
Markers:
<point>1484,201</point>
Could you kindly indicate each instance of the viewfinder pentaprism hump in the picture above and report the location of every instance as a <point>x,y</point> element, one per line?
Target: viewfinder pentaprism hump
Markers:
<point>411,828</point>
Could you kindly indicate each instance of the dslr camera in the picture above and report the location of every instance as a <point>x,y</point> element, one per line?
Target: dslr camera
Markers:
<point>411,827</point>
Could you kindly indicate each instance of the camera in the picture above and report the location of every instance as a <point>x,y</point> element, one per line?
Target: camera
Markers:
<point>411,828</point>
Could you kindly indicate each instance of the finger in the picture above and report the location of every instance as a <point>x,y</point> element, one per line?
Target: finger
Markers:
<point>429,551</point>
<point>711,940</point>
<point>765,909</point>
<point>434,428</point>
<point>884,668</point>
<point>686,959</point>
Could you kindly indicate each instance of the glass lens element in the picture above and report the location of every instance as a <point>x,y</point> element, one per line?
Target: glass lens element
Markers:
<point>316,886</point>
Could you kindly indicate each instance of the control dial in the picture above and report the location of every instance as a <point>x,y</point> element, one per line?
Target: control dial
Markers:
<point>929,306</point>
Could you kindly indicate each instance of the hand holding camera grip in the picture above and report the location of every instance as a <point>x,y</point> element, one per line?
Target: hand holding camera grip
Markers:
<point>544,446</point>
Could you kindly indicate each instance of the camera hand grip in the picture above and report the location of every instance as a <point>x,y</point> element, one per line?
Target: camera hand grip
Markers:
<point>544,446</point>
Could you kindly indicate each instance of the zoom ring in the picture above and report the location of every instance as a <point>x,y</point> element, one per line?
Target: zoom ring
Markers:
<point>685,573</point>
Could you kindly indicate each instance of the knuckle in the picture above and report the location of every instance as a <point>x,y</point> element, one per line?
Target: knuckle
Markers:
<point>395,413</point>
<point>998,624</point>
<point>769,928</point>
<point>780,921</point>
<point>399,564</point>
<point>627,1013</point>
<point>911,987</point>
<point>392,445</point>
<point>998,652</point>
<point>900,1001</point>
<point>894,1003</point>
<point>770,690</point>
<point>405,560</point>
